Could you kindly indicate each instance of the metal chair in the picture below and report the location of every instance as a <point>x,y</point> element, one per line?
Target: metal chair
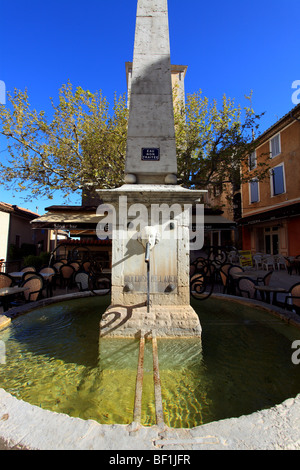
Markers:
<point>235,268</point>
<point>6,280</point>
<point>66,275</point>
<point>49,282</point>
<point>34,285</point>
<point>82,280</point>
<point>246,287</point>
<point>101,283</point>
<point>86,266</point>
<point>224,276</point>
<point>28,269</point>
<point>75,265</point>
<point>265,280</point>
<point>292,300</point>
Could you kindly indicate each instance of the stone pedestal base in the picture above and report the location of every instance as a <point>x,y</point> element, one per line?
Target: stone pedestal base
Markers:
<point>165,321</point>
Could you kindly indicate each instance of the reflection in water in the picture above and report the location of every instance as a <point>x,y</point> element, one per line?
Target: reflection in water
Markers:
<point>242,364</point>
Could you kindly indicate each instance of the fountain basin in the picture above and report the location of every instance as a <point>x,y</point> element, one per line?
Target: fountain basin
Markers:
<point>152,430</point>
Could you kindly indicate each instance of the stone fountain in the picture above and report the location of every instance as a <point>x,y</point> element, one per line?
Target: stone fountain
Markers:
<point>150,214</point>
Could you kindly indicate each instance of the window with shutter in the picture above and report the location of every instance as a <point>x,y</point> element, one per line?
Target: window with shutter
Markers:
<point>275,146</point>
<point>278,185</point>
<point>254,196</point>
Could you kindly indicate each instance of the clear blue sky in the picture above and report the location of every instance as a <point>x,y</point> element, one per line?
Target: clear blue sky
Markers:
<point>230,47</point>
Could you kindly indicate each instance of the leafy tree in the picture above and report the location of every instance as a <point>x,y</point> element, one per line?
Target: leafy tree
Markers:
<point>81,144</point>
<point>214,144</point>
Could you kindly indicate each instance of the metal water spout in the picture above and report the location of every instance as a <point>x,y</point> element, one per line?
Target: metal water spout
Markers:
<point>148,237</point>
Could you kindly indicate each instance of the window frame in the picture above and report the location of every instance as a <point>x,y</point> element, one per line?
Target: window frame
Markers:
<point>272,180</point>
<point>255,161</point>
<point>279,145</point>
<point>254,180</point>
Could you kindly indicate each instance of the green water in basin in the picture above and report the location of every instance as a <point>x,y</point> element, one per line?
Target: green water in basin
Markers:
<point>242,364</point>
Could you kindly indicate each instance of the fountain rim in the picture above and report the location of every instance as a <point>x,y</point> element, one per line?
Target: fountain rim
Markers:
<point>26,426</point>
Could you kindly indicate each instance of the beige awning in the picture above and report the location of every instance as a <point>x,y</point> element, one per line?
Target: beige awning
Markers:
<point>67,220</point>
<point>81,219</point>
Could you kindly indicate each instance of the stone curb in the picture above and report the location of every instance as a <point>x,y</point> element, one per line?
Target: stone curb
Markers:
<point>29,427</point>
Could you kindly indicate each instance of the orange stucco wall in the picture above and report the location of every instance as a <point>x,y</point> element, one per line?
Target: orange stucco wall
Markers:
<point>290,151</point>
<point>294,236</point>
<point>246,238</point>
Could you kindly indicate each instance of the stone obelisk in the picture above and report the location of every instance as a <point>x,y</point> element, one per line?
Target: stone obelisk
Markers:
<point>150,245</point>
<point>151,132</point>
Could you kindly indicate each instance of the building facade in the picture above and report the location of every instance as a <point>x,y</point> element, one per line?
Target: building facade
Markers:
<point>178,73</point>
<point>16,231</point>
<point>271,208</point>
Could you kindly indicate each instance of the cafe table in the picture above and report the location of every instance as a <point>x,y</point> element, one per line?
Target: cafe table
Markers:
<point>271,289</point>
<point>7,293</point>
<point>248,274</point>
<point>19,274</point>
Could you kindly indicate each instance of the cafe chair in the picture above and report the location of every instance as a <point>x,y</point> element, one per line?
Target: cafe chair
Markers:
<point>281,262</point>
<point>246,287</point>
<point>257,259</point>
<point>292,300</point>
<point>66,275</point>
<point>34,285</point>
<point>49,282</point>
<point>28,269</point>
<point>56,279</point>
<point>102,284</point>
<point>6,280</point>
<point>224,276</point>
<point>268,261</point>
<point>57,265</point>
<point>27,275</point>
<point>235,268</point>
<point>75,265</point>
<point>265,280</point>
<point>86,266</point>
<point>82,280</point>
<point>232,283</point>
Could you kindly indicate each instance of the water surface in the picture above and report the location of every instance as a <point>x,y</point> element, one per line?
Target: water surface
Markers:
<point>241,365</point>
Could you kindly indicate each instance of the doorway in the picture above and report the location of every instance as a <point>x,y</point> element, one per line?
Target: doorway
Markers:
<point>271,241</point>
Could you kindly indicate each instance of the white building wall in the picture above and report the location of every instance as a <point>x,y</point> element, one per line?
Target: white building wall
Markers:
<point>4,232</point>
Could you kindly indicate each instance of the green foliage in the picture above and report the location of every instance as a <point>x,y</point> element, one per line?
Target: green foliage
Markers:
<point>44,257</point>
<point>14,252</point>
<point>214,143</point>
<point>37,260</point>
<point>83,146</point>
<point>32,260</point>
<point>26,249</point>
